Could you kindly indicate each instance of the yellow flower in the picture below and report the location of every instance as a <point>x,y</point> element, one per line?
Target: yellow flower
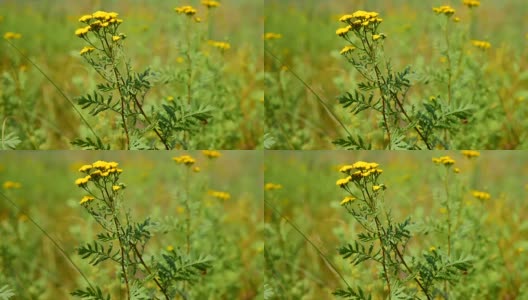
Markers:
<point>345,18</point>
<point>481,195</point>
<point>470,153</point>
<point>187,10</point>
<point>471,3</point>
<point>210,3</point>
<point>456,170</point>
<point>196,169</point>
<point>81,32</point>
<point>86,49</point>
<point>272,36</point>
<point>211,153</point>
<point>344,181</point>
<point>481,44</point>
<point>170,248</point>
<point>445,10</point>
<point>432,249</point>
<point>11,185</point>
<point>346,168</point>
<point>86,199</point>
<point>116,38</point>
<point>220,45</point>
<point>12,36</point>
<point>272,186</point>
<point>347,49</point>
<point>116,188</point>
<point>83,181</point>
<point>85,18</point>
<point>343,31</point>
<point>376,188</point>
<point>444,160</point>
<point>184,159</point>
<point>220,195</point>
<point>376,37</point>
<point>456,19</point>
<point>347,199</point>
<point>85,168</point>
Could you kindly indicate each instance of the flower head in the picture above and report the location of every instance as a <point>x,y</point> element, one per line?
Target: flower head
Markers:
<point>12,36</point>
<point>343,31</point>
<point>470,153</point>
<point>86,199</point>
<point>187,10</point>
<point>272,186</point>
<point>210,3</point>
<point>220,45</point>
<point>81,32</point>
<point>220,195</point>
<point>471,3</point>
<point>481,195</point>
<point>272,36</point>
<point>86,49</point>
<point>211,153</point>
<point>445,10</point>
<point>184,159</point>
<point>347,199</point>
<point>444,160</point>
<point>83,181</point>
<point>347,49</point>
<point>481,44</point>
<point>343,181</point>
<point>11,185</point>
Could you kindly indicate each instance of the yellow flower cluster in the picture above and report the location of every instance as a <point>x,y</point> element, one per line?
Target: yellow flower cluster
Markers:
<point>444,9</point>
<point>211,153</point>
<point>347,50</point>
<point>220,195</point>
<point>187,10</point>
<point>357,20</point>
<point>12,36</point>
<point>481,195</point>
<point>97,20</point>
<point>220,45</point>
<point>86,199</point>
<point>363,170</point>
<point>444,160</point>
<point>481,44</point>
<point>471,3</point>
<point>272,36</point>
<point>97,170</point>
<point>86,49</point>
<point>11,185</point>
<point>347,199</point>
<point>470,153</point>
<point>210,3</point>
<point>184,159</point>
<point>272,186</point>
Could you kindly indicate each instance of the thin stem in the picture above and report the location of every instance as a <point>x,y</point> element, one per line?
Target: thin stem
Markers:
<point>49,237</point>
<point>188,213</point>
<point>57,88</point>
<point>138,255</point>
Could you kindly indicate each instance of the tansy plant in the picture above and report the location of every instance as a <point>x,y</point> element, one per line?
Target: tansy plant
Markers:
<point>385,243</point>
<point>384,92</point>
<point>123,93</point>
<point>124,242</point>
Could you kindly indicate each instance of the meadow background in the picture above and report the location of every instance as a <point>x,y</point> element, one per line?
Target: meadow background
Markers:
<point>33,111</point>
<point>496,232</point>
<point>310,47</point>
<point>228,230</point>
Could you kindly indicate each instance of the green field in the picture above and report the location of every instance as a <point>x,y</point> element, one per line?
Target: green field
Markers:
<point>458,95</point>
<point>490,234</point>
<point>225,232</point>
<point>215,94</point>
